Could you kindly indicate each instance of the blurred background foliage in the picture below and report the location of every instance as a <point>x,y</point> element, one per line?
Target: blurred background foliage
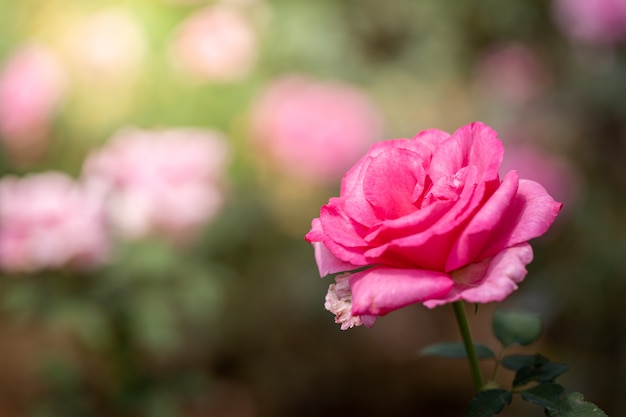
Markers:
<point>223,316</point>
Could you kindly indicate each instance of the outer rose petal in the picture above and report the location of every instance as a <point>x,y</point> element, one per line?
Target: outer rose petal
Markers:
<point>530,214</point>
<point>480,228</point>
<point>513,215</point>
<point>327,263</point>
<point>490,280</point>
<point>316,234</point>
<point>379,290</point>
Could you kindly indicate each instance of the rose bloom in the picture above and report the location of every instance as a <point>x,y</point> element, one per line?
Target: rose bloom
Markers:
<point>216,43</point>
<point>428,220</point>
<point>32,85</point>
<point>49,221</point>
<point>162,182</point>
<point>592,21</point>
<point>315,130</point>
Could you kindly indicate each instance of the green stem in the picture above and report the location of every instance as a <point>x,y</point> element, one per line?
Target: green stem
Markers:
<point>496,369</point>
<point>461,319</point>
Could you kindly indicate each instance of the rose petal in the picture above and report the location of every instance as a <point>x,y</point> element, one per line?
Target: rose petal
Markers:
<point>409,225</point>
<point>316,234</point>
<point>423,251</point>
<point>490,280</point>
<point>379,290</point>
<point>354,255</point>
<point>327,263</point>
<point>480,228</point>
<point>530,214</point>
<point>354,177</point>
<point>426,141</point>
<point>429,249</point>
<point>391,181</point>
<point>475,144</point>
<point>337,226</point>
<point>356,204</point>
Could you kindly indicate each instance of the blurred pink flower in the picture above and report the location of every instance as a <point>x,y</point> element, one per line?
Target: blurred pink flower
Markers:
<point>160,182</point>
<point>49,221</point>
<point>513,72</point>
<point>315,130</point>
<point>32,85</point>
<point>217,43</point>
<point>592,21</point>
<point>556,174</point>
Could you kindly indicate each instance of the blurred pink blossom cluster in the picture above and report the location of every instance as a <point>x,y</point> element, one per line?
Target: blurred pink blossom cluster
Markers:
<point>142,183</point>
<point>512,72</point>
<point>315,130</point>
<point>592,21</point>
<point>32,86</point>
<point>556,174</point>
<point>217,43</point>
<point>159,182</point>
<point>49,220</point>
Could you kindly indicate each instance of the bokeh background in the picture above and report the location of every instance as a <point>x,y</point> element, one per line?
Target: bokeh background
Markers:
<point>162,160</point>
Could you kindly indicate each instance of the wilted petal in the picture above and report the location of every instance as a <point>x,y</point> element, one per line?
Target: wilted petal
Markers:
<point>339,302</point>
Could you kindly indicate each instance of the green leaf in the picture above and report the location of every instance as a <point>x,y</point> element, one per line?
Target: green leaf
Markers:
<point>556,404</point>
<point>488,403</point>
<point>516,362</point>
<point>574,405</point>
<point>546,395</point>
<point>533,368</point>
<point>516,326</point>
<point>456,350</point>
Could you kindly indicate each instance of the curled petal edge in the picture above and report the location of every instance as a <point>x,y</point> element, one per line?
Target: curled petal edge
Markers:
<point>491,280</point>
<point>327,263</point>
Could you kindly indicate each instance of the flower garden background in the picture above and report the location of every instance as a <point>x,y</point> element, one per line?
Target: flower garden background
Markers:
<point>161,162</point>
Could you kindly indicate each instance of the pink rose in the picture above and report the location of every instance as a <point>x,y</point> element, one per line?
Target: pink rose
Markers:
<point>163,182</point>
<point>315,130</point>
<point>49,221</point>
<point>428,220</point>
<point>217,43</point>
<point>32,86</point>
<point>558,175</point>
<point>512,72</point>
<point>592,21</point>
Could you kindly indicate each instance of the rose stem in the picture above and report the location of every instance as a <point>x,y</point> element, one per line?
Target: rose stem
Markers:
<point>461,319</point>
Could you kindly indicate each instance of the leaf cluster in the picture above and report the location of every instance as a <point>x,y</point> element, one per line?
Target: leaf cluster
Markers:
<point>535,375</point>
